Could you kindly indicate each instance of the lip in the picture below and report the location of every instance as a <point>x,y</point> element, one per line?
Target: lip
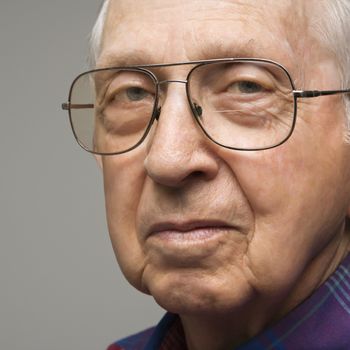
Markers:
<point>188,230</point>
<point>188,243</point>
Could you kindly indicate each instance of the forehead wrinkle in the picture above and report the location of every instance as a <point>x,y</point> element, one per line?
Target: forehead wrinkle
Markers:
<point>196,46</point>
<point>244,13</point>
<point>150,11</point>
<point>135,20</point>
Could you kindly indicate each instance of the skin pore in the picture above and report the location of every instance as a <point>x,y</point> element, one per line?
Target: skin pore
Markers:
<point>272,222</point>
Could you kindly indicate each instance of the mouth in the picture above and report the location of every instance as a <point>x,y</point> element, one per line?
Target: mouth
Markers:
<point>190,243</point>
<point>188,232</point>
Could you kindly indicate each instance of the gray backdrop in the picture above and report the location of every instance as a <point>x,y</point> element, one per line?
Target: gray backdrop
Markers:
<point>60,287</point>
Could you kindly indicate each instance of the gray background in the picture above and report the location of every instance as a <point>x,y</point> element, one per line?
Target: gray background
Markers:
<point>60,287</point>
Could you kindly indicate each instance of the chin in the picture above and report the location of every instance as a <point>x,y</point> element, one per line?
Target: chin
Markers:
<point>186,293</point>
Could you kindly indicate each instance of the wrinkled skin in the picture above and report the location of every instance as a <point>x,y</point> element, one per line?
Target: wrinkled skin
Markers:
<point>282,211</point>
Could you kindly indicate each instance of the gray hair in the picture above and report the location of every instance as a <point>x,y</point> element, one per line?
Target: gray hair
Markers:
<point>333,30</point>
<point>97,34</point>
<point>336,34</point>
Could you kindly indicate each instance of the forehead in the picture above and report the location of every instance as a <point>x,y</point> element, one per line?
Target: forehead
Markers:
<point>159,31</point>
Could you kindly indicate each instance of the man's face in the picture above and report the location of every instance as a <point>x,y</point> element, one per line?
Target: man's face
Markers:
<point>207,229</point>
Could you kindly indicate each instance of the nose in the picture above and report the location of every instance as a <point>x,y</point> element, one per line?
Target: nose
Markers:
<point>178,151</point>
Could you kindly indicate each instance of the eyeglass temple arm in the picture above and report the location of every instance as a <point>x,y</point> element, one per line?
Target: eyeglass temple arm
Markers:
<point>316,93</point>
<point>297,93</point>
<point>68,106</point>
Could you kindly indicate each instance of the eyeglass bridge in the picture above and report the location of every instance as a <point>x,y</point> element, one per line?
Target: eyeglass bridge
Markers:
<point>197,109</point>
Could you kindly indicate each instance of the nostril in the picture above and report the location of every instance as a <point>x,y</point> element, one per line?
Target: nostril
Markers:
<point>197,174</point>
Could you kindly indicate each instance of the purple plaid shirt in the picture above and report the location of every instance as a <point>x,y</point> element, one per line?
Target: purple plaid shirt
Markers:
<point>321,322</point>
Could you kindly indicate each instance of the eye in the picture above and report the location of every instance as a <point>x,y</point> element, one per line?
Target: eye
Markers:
<point>136,93</point>
<point>247,87</point>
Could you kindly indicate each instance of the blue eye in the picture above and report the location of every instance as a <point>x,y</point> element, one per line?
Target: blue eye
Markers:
<point>136,93</point>
<point>249,87</point>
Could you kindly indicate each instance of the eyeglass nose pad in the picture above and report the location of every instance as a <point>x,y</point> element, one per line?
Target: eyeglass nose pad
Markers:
<point>157,113</point>
<point>197,110</point>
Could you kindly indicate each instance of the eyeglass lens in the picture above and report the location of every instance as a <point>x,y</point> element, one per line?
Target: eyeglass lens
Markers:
<point>240,105</point>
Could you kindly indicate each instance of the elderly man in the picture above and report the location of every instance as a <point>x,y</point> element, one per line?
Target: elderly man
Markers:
<point>221,130</point>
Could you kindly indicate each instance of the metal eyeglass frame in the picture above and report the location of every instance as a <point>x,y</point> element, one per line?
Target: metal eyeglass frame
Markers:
<point>196,110</point>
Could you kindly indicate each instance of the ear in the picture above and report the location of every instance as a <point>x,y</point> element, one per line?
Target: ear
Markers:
<point>98,159</point>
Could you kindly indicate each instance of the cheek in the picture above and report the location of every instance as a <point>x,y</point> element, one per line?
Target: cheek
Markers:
<point>299,175</point>
<point>123,183</point>
<point>270,180</point>
<point>297,198</point>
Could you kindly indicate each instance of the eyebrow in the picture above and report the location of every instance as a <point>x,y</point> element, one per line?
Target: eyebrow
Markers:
<point>112,59</point>
<point>251,49</point>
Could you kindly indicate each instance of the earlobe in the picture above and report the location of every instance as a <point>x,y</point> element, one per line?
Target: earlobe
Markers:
<point>98,159</point>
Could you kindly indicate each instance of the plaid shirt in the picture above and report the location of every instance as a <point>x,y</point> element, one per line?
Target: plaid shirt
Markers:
<point>321,322</point>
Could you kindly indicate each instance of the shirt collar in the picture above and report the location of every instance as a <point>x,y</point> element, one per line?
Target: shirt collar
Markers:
<point>320,322</point>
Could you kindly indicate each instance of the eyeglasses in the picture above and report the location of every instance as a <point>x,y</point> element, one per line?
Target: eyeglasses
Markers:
<point>241,104</point>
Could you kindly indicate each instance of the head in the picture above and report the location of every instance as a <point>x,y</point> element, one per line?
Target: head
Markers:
<point>207,230</point>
